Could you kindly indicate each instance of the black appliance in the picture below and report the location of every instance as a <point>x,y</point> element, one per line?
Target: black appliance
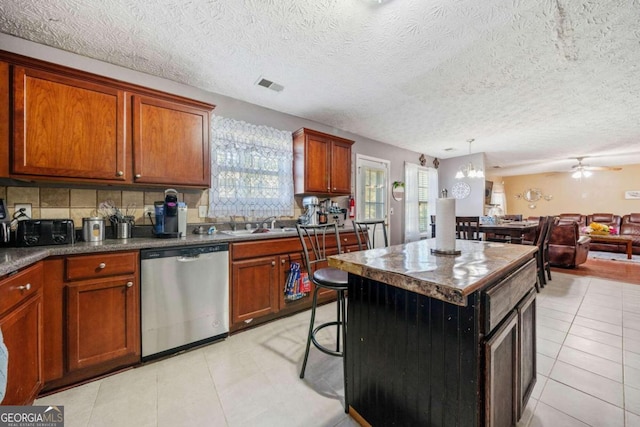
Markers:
<point>41,232</point>
<point>167,215</point>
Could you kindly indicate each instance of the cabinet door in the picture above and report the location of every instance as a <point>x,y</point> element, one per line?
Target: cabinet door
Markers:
<point>501,377</point>
<point>527,349</point>
<point>64,127</point>
<point>170,143</point>
<point>102,321</point>
<point>254,290</point>
<point>317,167</point>
<point>4,120</point>
<point>340,168</point>
<point>22,334</point>
<point>285,263</point>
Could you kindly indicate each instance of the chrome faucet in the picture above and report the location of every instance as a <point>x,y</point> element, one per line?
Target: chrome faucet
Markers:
<point>271,219</point>
<point>232,222</point>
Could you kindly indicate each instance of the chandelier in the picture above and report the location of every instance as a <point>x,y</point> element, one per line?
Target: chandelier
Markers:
<point>469,171</point>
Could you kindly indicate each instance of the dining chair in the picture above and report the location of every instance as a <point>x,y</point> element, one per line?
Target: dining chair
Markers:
<point>552,221</point>
<point>314,240</point>
<point>366,233</point>
<point>539,243</point>
<point>468,227</point>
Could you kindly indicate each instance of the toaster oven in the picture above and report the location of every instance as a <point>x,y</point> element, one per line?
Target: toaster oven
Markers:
<point>43,232</point>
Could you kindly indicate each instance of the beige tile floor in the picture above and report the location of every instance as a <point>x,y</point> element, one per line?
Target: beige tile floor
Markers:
<point>588,372</point>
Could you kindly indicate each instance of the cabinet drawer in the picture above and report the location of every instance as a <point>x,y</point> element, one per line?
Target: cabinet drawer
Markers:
<point>20,286</point>
<point>100,265</point>
<point>503,297</point>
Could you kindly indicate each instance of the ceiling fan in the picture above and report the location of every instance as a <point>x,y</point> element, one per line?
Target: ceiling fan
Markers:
<point>584,170</point>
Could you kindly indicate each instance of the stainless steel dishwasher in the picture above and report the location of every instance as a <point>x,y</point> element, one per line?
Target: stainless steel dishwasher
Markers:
<point>184,297</point>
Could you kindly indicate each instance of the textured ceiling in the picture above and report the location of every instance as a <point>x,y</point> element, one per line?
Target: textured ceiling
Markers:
<point>535,82</point>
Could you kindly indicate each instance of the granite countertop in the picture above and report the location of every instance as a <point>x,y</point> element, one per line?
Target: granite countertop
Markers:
<point>12,259</point>
<point>445,277</point>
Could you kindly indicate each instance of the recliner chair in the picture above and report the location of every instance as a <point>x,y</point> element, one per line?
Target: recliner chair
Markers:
<point>567,248</point>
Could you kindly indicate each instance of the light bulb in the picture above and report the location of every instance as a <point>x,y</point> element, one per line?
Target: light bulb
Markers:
<point>459,175</point>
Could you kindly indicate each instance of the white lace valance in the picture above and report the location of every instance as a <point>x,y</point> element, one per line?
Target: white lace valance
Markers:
<point>251,170</point>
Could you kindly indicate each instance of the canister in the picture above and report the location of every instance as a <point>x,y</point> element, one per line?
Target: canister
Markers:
<point>93,229</point>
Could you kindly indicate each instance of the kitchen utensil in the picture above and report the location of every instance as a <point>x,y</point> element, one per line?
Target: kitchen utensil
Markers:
<point>123,230</point>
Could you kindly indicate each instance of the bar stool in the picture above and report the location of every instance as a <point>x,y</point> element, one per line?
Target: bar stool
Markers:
<point>366,233</point>
<point>314,244</point>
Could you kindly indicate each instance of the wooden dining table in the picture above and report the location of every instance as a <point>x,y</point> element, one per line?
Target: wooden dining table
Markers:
<point>514,229</point>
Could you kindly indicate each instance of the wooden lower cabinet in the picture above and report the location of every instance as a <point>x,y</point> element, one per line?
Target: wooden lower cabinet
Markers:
<point>92,316</point>
<point>254,289</point>
<point>101,322</point>
<point>526,349</point>
<point>21,325</point>
<point>510,356</point>
<point>259,271</point>
<point>501,382</point>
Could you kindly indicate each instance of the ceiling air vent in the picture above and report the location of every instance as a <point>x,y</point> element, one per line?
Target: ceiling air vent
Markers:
<point>269,84</point>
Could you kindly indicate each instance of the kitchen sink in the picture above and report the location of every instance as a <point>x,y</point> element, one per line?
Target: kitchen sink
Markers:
<point>248,232</point>
<point>238,232</point>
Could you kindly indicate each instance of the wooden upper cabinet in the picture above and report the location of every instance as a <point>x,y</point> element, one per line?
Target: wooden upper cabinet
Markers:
<point>321,163</point>
<point>67,128</point>
<point>170,142</point>
<point>4,119</point>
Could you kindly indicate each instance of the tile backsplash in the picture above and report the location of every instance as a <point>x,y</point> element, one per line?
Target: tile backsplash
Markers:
<point>62,203</point>
<point>78,203</point>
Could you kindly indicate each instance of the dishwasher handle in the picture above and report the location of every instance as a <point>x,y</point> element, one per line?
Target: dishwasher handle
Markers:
<point>190,258</point>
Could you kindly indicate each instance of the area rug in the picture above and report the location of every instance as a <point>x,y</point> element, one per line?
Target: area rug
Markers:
<point>613,256</point>
<point>619,270</point>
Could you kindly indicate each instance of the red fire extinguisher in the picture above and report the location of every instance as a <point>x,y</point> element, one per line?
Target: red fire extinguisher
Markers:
<point>352,207</point>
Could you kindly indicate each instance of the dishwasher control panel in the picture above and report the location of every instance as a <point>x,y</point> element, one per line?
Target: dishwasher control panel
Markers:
<point>188,251</point>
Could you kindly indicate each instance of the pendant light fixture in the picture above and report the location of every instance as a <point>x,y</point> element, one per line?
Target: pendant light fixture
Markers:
<point>469,171</point>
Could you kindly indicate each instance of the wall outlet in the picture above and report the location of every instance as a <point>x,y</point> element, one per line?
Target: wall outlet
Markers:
<point>202,211</point>
<point>147,209</point>
<point>26,207</point>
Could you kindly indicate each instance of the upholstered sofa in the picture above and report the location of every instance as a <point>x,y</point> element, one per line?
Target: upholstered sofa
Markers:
<point>567,248</point>
<point>630,226</point>
<point>579,218</point>
<point>612,221</point>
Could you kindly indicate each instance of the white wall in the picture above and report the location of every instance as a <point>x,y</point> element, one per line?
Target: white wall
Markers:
<point>227,107</point>
<point>474,204</point>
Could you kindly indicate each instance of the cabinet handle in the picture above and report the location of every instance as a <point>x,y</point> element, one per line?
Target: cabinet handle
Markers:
<point>282,261</point>
<point>334,188</point>
<point>129,284</point>
<point>119,173</point>
<point>345,239</point>
<point>273,263</point>
<point>102,265</point>
<point>138,175</point>
<point>24,287</point>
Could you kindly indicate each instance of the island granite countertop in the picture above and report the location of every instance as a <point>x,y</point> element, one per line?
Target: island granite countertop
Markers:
<point>449,278</point>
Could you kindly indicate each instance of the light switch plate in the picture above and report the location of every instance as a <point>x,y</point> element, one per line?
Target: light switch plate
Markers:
<point>202,211</point>
<point>26,207</point>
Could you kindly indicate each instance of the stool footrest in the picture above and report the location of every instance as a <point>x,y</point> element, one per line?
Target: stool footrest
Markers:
<point>320,346</point>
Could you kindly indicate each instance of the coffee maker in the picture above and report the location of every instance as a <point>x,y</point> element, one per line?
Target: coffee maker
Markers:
<point>167,215</point>
<point>310,215</point>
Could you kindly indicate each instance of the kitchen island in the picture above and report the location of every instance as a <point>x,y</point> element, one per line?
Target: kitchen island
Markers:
<point>440,340</point>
